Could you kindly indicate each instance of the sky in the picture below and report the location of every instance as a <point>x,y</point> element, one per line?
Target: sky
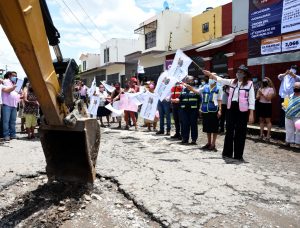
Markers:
<point>84,25</point>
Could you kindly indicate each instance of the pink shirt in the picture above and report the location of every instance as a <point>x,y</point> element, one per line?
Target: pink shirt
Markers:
<point>266,92</point>
<point>10,99</point>
<point>83,90</point>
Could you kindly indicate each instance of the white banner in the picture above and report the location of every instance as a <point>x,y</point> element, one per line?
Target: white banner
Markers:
<point>149,107</point>
<point>92,89</point>
<point>109,88</point>
<point>94,104</point>
<point>19,85</point>
<point>180,65</point>
<point>164,85</point>
<point>114,109</point>
<point>137,98</point>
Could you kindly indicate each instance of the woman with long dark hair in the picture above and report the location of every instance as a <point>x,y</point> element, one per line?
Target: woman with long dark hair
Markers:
<point>240,106</point>
<point>264,96</point>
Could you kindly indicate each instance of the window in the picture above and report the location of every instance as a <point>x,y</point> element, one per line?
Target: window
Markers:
<point>84,65</point>
<point>150,39</point>
<point>106,55</point>
<point>205,27</point>
<point>112,78</point>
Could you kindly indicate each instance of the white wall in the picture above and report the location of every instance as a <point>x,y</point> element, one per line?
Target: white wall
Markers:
<point>92,60</point>
<point>118,48</point>
<point>240,14</point>
<point>116,68</point>
<point>149,61</point>
<point>168,21</point>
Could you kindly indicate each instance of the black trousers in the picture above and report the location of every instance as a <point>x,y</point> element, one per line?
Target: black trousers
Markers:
<point>223,117</point>
<point>236,130</point>
<point>176,116</point>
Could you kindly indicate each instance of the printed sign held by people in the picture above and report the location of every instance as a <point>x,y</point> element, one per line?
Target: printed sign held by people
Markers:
<point>115,109</point>
<point>180,65</point>
<point>127,104</point>
<point>164,85</point>
<point>149,107</point>
<point>109,88</point>
<point>137,98</point>
<point>94,104</point>
<point>92,89</point>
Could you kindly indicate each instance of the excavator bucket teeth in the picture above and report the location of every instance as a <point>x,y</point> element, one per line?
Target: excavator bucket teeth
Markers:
<point>71,153</point>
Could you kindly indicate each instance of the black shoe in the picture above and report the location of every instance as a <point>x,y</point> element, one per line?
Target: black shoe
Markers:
<point>184,142</point>
<point>193,143</point>
<point>213,148</point>
<point>160,133</point>
<point>226,157</point>
<point>176,136</point>
<point>205,147</point>
<point>168,133</point>
<point>179,137</point>
<point>240,160</point>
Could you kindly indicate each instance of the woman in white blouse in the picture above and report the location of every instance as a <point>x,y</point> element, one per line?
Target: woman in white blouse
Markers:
<point>240,106</point>
<point>103,100</point>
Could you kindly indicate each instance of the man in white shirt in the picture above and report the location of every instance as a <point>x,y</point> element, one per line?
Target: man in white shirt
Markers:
<point>286,89</point>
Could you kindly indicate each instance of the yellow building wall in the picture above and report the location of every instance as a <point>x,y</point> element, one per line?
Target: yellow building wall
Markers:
<point>214,18</point>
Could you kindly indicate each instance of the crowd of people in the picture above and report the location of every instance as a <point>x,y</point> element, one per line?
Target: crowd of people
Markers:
<point>13,104</point>
<point>218,100</point>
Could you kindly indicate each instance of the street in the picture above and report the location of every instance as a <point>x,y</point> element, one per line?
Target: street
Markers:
<point>146,180</point>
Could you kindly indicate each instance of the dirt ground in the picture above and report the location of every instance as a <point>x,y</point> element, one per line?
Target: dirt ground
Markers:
<point>144,180</point>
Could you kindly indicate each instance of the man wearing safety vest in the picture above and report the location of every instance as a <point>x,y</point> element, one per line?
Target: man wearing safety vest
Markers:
<point>175,93</point>
<point>189,104</point>
<point>241,102</point>
<point>211,108</point>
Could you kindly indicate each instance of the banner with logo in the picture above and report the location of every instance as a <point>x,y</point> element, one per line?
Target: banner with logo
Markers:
<point>180,65</point>
<point>164,85</point>
<point>93,107</point>
<point>274,27</point>
<point>149,107</point>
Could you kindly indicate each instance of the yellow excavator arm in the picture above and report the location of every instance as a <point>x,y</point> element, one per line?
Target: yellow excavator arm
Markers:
<point>70,141</point>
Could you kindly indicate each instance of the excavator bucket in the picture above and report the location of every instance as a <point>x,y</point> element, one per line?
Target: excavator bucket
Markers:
<point>71,153</point>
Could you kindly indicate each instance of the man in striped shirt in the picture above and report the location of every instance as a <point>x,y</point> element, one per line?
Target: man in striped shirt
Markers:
<point>292,114</point>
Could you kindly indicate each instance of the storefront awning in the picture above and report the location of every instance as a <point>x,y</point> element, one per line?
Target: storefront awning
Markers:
<point>270,59</point>
<point>216,44</point>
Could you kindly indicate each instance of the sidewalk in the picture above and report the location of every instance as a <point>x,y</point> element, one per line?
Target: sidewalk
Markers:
<point>276,132</point>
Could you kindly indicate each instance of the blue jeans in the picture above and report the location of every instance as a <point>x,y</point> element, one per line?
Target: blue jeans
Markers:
<point>164,110</point>
<point>9,117</point>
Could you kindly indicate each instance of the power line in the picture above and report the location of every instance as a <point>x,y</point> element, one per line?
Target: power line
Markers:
<point>79,21</point>
<point>90,18</point>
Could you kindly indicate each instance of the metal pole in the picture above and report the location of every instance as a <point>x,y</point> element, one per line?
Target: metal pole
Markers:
<point>263,72</point>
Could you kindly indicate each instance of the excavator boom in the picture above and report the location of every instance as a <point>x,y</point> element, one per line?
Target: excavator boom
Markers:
<point>70,149</point>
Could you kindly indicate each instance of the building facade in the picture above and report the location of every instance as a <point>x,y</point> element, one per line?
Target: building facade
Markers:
<point>110,65</point>
<point>165,31</point>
